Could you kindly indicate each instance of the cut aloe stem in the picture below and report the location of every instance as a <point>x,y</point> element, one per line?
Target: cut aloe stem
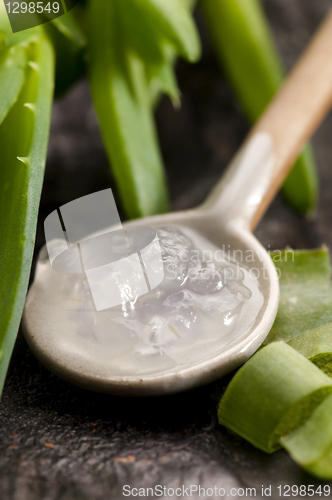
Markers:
<point>304,274</point>
<point>271,395</point>
<point>249,57</point>
<point>23,138</point>
<point>311,444</point>
<point>316,345</point>
<point>266,402</point>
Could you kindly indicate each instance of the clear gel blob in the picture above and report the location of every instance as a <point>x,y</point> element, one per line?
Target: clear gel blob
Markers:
<point>191,316</point>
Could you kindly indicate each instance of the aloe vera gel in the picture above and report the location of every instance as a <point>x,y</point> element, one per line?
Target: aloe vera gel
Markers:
<point>204,304</point>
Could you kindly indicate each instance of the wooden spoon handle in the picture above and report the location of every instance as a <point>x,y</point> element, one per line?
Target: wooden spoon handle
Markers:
<point>261,165</point>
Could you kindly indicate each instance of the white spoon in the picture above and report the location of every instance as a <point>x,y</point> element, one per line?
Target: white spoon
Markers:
<point>226,220</point>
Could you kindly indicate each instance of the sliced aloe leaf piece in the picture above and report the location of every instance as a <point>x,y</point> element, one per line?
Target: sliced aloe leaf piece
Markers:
<point>121,97</point>
<point>305,292</point>
<point>316,345</point>
<point>311,444</point>
<point>12,75</point>
<point>271,395</point>
<point>22,160</point>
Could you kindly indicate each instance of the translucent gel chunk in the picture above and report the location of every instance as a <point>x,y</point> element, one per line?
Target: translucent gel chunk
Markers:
<point>188,317</point>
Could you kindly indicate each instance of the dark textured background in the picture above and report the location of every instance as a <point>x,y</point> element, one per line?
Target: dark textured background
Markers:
<point>60,442</point>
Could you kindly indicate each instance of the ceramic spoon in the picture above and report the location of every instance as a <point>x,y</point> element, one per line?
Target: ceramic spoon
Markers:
<point>229,216</point>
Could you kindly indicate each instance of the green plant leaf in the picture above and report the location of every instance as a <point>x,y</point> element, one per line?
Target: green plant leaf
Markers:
<point>132,47</point>
<point>69,27</point>
<point>69,57</point>
<point>162,78</point>
<point>121,97</point>
<point>138,31</point>
<point>272,394</point>
<point>305,292</point>
<point>12,75</point>
<point>245,47</point>
<point>266,402</point>
<point>10,39</point>
<point>300,188</point>
<point>311,444</point>
<point>23,140</point>
<point>316,345</point>
<point>68,41</point>
<point>173,20</point>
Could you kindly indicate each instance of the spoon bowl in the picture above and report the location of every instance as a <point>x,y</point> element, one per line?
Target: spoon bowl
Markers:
<point>87,370</point>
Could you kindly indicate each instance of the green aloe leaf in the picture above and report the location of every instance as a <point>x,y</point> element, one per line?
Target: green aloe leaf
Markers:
<point>10,39</point>
<point>305,292</point>
<point>69,27</point>
<point>272,394</point>
<point>316,345</point>
<point>23,147</point>
<point>172,19</point>
<point>139,31</point>
<point>69,55</point>
<point>162,78</point>
<point>311,444</point>
<point>266,402</point>
<point>249,57</point>
<point>132,48</point>
<point>300,188</point>
<point>121,97</point>
<point>12,75</point>
<point>244,44</point>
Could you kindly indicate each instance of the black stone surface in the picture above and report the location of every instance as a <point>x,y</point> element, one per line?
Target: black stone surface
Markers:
<point>58,442</point>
